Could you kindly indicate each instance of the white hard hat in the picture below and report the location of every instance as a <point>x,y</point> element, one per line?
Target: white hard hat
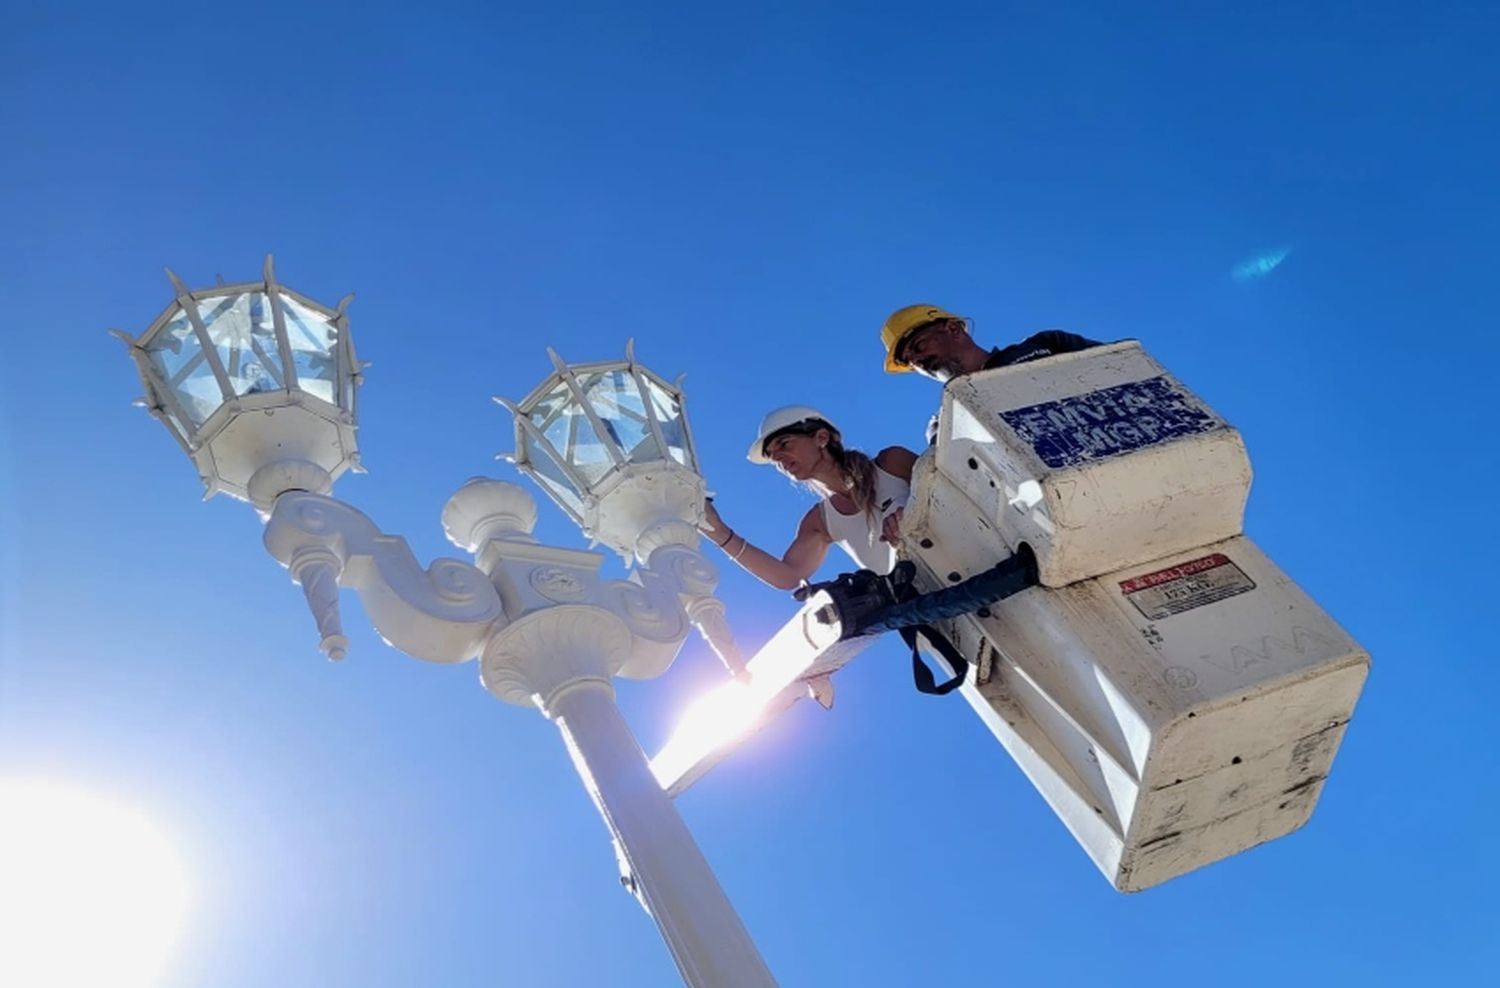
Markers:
<point>776,420</point>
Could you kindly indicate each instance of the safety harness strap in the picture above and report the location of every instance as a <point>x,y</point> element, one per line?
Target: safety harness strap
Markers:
<point>921,675</point>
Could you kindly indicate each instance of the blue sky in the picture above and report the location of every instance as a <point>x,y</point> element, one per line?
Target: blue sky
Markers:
<point>746,192</point>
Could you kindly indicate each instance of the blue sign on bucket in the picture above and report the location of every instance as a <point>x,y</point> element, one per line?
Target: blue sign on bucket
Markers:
<point>1111,421</point>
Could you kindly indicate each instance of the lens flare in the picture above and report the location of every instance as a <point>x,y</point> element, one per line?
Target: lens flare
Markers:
<point>91,893</point>
<point>1260,265</point>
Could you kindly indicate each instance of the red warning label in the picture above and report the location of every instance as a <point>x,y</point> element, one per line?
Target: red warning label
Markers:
<point>1186,586</point>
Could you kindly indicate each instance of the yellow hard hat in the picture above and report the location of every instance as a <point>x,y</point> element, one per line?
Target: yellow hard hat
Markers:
<point>901,324</point>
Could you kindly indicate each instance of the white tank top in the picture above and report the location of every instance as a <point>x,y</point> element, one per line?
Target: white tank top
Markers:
<point>859,534</point>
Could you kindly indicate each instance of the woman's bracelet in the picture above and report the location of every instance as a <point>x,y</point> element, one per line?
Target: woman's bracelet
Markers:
<point>744,543</point>
<point>726,539</point>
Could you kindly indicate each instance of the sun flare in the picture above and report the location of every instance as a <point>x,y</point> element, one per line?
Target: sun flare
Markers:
<point>91,893</point>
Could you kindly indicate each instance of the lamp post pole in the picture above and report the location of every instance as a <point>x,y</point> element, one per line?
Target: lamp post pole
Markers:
<point>257,384</point>
<point>568,636</point>
<point>561,658</point>
<point>667,871</point>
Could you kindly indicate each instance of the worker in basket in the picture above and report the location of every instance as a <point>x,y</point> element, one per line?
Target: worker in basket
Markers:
<point>858,498</point>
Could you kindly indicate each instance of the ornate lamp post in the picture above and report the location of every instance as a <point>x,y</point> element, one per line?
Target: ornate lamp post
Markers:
<point>257,384</point>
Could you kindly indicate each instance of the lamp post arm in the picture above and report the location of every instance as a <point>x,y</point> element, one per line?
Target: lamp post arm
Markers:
<point>441,614</point>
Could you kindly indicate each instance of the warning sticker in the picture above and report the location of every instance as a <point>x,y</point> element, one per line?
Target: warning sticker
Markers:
<point>1186,586</point>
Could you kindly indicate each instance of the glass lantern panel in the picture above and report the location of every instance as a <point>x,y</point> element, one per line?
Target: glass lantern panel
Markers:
<point>181,430</point>
<point>177,357</point>
<point>567,427</point>
<point>549,416</point>
<point>314,343</point>
<point>668,411</point>
<point>547,410</point>
<point>244,336</point>
<point>617,401</point>
<point>552,477</point>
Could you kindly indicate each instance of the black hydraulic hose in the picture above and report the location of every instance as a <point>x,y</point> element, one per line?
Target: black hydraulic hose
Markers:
<point>1011,576</point>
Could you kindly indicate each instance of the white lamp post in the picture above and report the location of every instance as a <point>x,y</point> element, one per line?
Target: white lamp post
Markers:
<point>257,384</point>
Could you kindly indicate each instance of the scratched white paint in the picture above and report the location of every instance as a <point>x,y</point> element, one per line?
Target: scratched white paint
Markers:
<point>1099,515</point>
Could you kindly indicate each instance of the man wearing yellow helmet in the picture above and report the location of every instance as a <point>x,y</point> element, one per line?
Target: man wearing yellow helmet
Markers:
<point>936,343</point>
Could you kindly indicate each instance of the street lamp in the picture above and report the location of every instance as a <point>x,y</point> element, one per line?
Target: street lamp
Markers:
<point>257,384</point>
<point>215,355</point>
<point>610,444</point>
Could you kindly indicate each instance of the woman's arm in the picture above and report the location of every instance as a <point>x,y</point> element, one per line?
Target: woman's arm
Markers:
<point>896,461</point>
<point>801,559</point>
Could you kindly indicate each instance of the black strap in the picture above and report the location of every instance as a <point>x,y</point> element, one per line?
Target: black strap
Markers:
<point>925,681</point>
<point>868,603</point>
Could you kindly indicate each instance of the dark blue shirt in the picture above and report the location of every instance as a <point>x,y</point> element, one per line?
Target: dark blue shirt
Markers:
<point>1044,344</point>
<point>1047,343</point>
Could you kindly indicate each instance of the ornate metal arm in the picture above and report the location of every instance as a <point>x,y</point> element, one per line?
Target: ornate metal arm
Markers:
<point>444,613</point>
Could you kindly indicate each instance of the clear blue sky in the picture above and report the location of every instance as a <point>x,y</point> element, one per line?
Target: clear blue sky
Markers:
<point>747,192</point>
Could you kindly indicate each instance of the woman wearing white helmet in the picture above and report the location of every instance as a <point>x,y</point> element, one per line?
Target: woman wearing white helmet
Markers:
<point>858,498</point>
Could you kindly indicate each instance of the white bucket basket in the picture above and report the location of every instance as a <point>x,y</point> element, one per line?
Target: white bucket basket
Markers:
<point>1173,695</point>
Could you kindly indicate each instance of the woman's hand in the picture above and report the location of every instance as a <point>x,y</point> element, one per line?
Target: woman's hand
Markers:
<point>712,523</point>
<point>890,526</point>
